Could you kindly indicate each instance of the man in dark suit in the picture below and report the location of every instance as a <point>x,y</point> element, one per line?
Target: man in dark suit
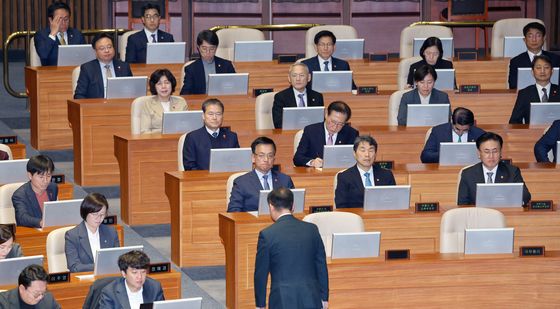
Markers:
<point>325,45</point>
<point>333,131</point>
<point>535,34</point>
<point>196,149</point>
<point>31,291</point>
<point>548,142</point>
<point>135,287</point>
<point>137,43</point>
<point>489,170</point>
<point>245,191</point>
<point>351,182</point>
<point>293,253</point>
<point>58,33</point>
<point>92,82</point>
<point>196,73</point>
<point>298,95</point>
<point>543,91</point>
<point>462,129</point>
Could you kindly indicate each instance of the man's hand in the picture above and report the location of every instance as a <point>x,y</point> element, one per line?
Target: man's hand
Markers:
<point>317,163</point>
<point>55,25</point>
<point>325,304</point>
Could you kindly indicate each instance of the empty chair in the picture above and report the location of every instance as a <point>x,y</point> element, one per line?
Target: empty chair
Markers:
<point>394,102</point>
<point>339,31</point>
<point>55,250</point>
<point>229,185</point>
<point>8,150</point>
<point>335,222</point>
<point>508,27</point>
<point>7,211</point>
<point>420,31</point>
<point>404,67</point>
<point>123,42</point>
<point>228,37</point>
<point>263,111</point>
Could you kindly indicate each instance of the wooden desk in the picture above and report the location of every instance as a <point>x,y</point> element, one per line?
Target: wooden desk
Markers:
<point>18,151</point>
<point>442,280</point>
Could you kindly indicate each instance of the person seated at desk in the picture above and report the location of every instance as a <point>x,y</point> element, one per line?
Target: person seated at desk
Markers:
<point>82,242</point>
<point>351,182</point>
<point>196,149</point>
<point>462,129</point>
<point>92,82</point>
<point>196,73</point>
<point>547,143</point>
<point>134,288</point>
<point>245,190</point>
<point>333,131</point>
<point>425,77</point>
<point>8,248</point>
<point>58,33</point>
<point>298,95</point>
<point>325,45</point>
<point>535,34</point>
<point>162,86</point>
<point>31,291</point>
<point>489,170</point>
<point>543,91</point>
<point>29,198</point>
<point>137,43</point>
<point>4,156</point>
<point>432,54</point>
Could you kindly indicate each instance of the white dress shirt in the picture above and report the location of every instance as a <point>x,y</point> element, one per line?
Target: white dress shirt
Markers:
<point>539,90</point>
<point>455,136</point>
<point>104,73</point>
<point>370,171</point>
<point>261,180</point>
<point>423,99</point>
<point>485,171</point>
<point>322,63</point>
<point>149,35</point>
<point>94,242</point>
<point>135,299</point>
<point>296,93</point>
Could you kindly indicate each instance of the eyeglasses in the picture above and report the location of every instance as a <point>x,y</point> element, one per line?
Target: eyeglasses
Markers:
<point>36,294</point>
<point>210,114</point>
<point>301,76</point>
<point>105,48</point>
<point>98,215</point>
<point>336,123</point>
<point>265,156</point>
<point>431,54</point>
<point>65,20</point>
<point>325,45</point>
<point>491,153</point>
<point>207,49</point>
<point>151,17</point>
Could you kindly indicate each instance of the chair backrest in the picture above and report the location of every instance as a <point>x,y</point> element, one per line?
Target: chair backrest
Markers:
<point>421,31</point>
<point>8,150</point>
<point>427,135</point>
<point>94,294</point>
<point>7,211</point>
<point>263,111</point>
<point>339,31</point>
<point>297,139</point>
<point>229,185</point>
<point>394,102</point>
<point>55,250</point>
<point>459,180</point>
<point>404,67</point>
<point>335,184</point>
<point>228,37</point>
<point>183,70</point>
<point>335,222</point>
<point>34,59</point>
<point>123,41</point>
<point>508,27</point>
<point>75,76</point>
<point>455,221</point>
<point>180,144</point>
<point>136,113</point>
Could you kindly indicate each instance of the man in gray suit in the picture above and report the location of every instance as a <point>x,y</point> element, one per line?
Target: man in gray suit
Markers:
<point>31,291</point>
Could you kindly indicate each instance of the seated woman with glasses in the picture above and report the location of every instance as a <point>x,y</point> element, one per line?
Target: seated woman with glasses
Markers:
<point>8,248</point>
<point>432,54</point>
<point>196,74</point>
<point>83,241</point>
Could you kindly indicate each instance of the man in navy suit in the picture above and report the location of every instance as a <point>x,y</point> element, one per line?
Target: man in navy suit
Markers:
<point>548,142</point>
<point>137,43</point>
<point>92,82</point>
<point>245,191</point>
<point>333,131</point>
<point>325,45</point>
<point>543,91</point>
<point>196,149</point>
<point>462,129</point>
<point>350,186</point>
<point>293,253</point>
<point>489,170</point>
<point>58,33</point>
<point>534,34</point>
<point>298,95</point>
<point>196,73</point>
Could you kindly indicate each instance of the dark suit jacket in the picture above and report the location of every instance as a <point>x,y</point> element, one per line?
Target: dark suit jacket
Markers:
<point>442,133</point>
<point>28,211</point>
<point>313,139</point>
<point>195,79</point>
<point>286,98</point>
<point>548,142</point>
<point>523,61</point>
<point>90,82</point>
<point>114,296</point>
<point>337,65</point>
<point>413,97</point>
<point>47,49</point>
<point>521,112</point>
<point>293,253</point>
<point>137,45</point>
<point>349,191</point>
<point>15,251</point>
<point>79,256</point>
<point>440,64</point>
<point>196,149</point>
<point>245,190</point>
<point>10,300</point>
<point>506,173</point>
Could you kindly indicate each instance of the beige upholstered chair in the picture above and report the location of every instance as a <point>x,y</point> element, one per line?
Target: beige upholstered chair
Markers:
<point>34,59</point>
<point>394,102</point>
<point>7,211</point>
<point>228,37</point>
<point>55,250</point>
<point>123,41</point>
<point>297,139</point>
<point>263,111</point>
<point>422,31</point>
<point>183,71</point>
<point>339,31</point>
<point>229,185</point>
<point>455,221</point>
<point>75,76</point>
<point>459,181</point>
<point>180,144</point>
<point>404,67</point>
<point>427,135</point>
<point>335,222</point>
<point>136,113</point>
<point>8,150</point>
<point>508,27</point>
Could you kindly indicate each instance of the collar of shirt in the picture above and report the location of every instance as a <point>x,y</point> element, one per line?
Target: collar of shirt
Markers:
<point>539,90</point>
<point>531,55</point>
<point>149,35</point>
<point>455,136</point>
<point>284,214</point>
<point>485,171</point>
<point>424,100</point>
<point>296,93</point>
<point>362,172</point>
<point>322,62</point>
<point>135,299</point>
<point>327,134</point>
<point>210,131</point>
<point>64,35</point>
<point>260,176</point>
<point>94,241</point>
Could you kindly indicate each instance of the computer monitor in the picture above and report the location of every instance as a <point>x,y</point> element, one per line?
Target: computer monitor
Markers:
<point>544,113</point>
<point>445,79</point>
<point>13,171</point>
<point>499,195</point>
<point>165,52</point>
<point>447,44</point>
<point>338,156</point>
<point>126,87</point>
<point>332,81</point>
<point>296,118</point>
<point>489,241</point>
<point>185,303</point>
<point>61,213</point>
<point>525,77</point>
<point>355,245</point>
<point>349,49</point>
<point>387,197</point>
<point>106,261</point>
<point>427,115</point>
<point>74,55</point>
<point>230,160</point>
<point>299,201</point>
<point>228,84</point>
<point>244,51</point>
<point>513,46</point>
<point>458,153</point>
<point>181,122</point>
<point>11,268</point>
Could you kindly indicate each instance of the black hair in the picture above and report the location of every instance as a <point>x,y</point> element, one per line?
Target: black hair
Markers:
<point>462,116</point>
<point>212,101</point>
<point>281,198</point>
<point>534,25</point>
<point>55,6</point>
<point>40,164</point>
<point>542,57</point>
<point>150,6</point>
<point>489,136</point>
<point>99,37</point>
<point>262,140</point>
<point>365,139</point>
<point>323,33</point>
<point>156,76</point>
<point>209,36</point>
<point>5,233</point>
<point>93,203</point>
<point>341,107</point>
<point>423,71</point>
<point>134,259</point>
<point>429,42</point>
<point>32,273</point>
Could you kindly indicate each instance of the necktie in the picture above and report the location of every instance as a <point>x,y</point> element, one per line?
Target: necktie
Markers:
<point>154,38</point>
<point>489,179</point>
<point>544,97</point>
<point>330,140</point>
<point>61,38</point>
<point>215,134</point>
<point>459,140</point>
<point>368,181</point>
<point>265,182</point>
<point>326,63</point>
<point>108,71</point>
<point>301,103</point>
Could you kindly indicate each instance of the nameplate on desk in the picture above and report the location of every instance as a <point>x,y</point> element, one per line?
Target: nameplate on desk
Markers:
<point>367,90</point>
<point>401,254</point>
<point>58,178</point>
<point>507,161</point>
<point>8,139</point>
<point>378,57</point>
<point>531,251</point>
<point>320,208</point>
<point>59,277</point>
<point>466,89</point>
<point>258,91</point>
<point>287,58</point>
<point>110,220</point>
<point>426,207</point>
<point>385,164</point>
<point>159,268</point>
<point>541,205</point>
<point>467,56</point>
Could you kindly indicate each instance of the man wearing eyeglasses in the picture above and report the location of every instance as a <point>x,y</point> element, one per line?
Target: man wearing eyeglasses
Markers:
<point>31,291</point>
<point>138,43</point>
<point>246,188</point>
<point>58,33</point>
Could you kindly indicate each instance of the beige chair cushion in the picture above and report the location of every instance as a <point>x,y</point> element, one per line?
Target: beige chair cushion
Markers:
<point>421,31</point>
<point>123,41</point>
<point>297,139</point>
<point>7,211</point>
<point>263,111</point>
<point>229,185</point>
<point>427,135</point>
<point>55,250</point>
<point>180,144</point>
<point>75,76</point>
<point>136,113</point>
<point>508,27</point>
<point>404,67</point>
<point>339,31</point>
<point>228,37</point>
<point>394,102</point>
<point>335,222</point>
<point>459,180</point>
<point>34,59</point>
<point>8,150</point>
